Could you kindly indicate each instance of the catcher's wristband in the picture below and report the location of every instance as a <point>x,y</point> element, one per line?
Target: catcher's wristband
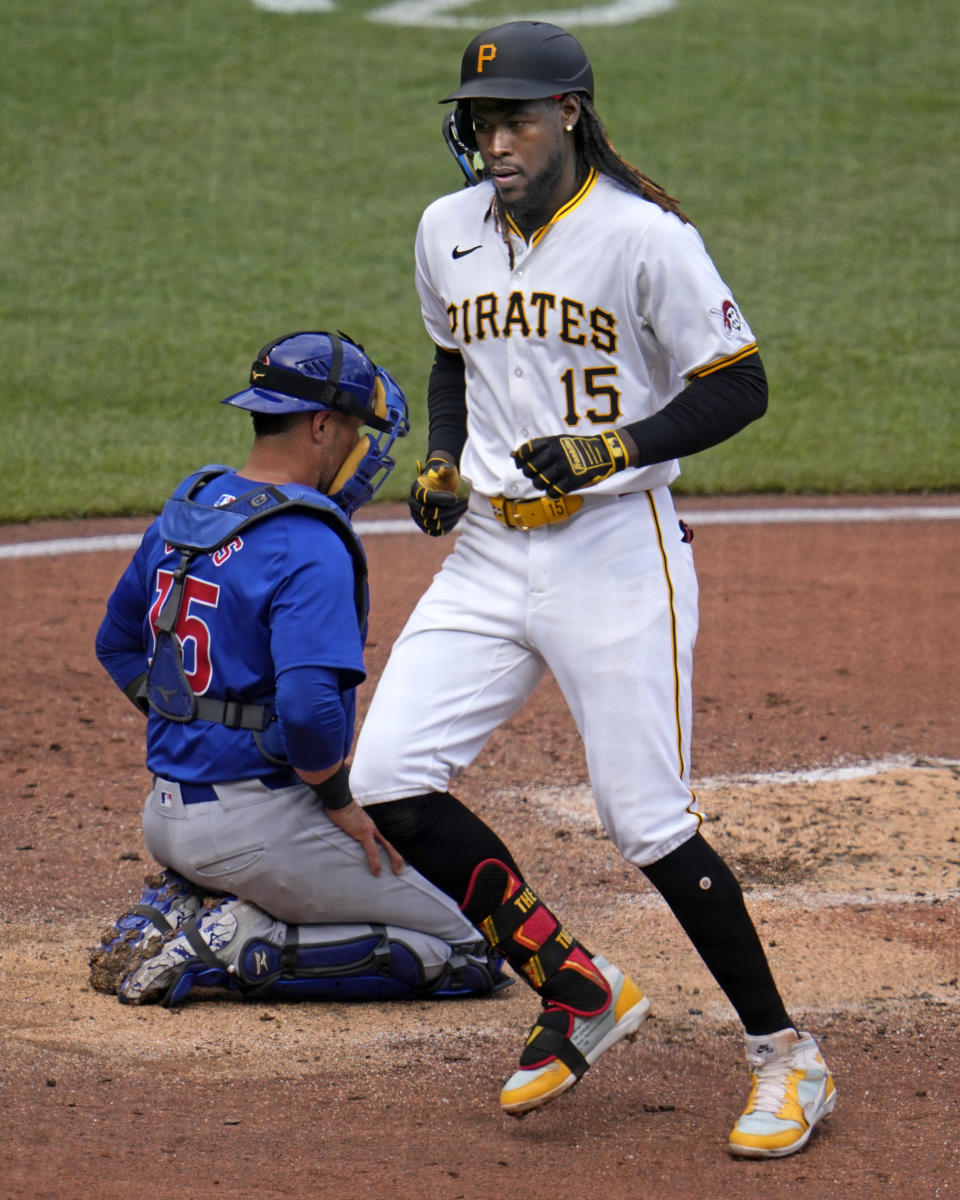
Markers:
<point>135,691</point>
<point>334,793</point>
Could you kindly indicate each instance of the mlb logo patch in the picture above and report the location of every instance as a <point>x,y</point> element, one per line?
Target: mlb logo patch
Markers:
<point>166,799</point>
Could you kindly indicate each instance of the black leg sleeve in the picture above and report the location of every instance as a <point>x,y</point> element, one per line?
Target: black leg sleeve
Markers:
<point>441,837</point>
<point>706,899</point>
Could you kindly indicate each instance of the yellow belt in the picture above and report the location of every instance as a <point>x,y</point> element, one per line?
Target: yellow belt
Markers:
<point>529,514</point>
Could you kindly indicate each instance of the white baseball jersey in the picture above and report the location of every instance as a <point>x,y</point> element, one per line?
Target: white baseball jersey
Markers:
<point>594,324</point>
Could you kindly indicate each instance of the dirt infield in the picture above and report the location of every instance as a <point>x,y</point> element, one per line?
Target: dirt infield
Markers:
<point>821,646</point>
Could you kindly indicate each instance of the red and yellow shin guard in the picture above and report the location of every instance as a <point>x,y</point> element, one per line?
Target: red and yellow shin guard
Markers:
<point>518,924</point>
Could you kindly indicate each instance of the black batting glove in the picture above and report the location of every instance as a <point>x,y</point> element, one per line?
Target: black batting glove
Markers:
<point>569,462</point>
<point>433,500</point>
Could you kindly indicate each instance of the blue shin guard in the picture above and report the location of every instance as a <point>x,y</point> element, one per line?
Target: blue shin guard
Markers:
<point>236,945</point>
<point>367,962</point>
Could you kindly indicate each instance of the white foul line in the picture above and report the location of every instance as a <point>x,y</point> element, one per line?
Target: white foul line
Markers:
<point>828,516</point>
<point>839,773</point>
<point>368,528</point>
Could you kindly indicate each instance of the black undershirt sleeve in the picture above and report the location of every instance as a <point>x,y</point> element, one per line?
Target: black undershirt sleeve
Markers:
<point>710,409</point>
<point>447,403</point>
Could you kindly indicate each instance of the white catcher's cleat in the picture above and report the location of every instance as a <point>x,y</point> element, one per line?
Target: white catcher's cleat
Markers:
<point>562,1046</point>
<point>792,1091</point>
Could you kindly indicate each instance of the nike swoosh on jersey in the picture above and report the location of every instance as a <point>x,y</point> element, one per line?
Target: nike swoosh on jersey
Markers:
<point>458,253</point>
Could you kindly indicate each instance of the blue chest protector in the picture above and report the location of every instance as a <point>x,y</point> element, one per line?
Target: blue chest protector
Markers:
<point>323,962</point>
<point>193,528</point>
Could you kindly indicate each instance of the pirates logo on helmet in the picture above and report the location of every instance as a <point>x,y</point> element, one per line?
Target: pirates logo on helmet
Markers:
<point>519,60</point>
<point>523,60</point>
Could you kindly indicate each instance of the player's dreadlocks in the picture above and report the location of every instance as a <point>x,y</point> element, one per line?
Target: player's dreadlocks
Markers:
<point>596,150</point>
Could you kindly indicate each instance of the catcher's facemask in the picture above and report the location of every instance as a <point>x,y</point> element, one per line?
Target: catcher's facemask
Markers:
<point>369,464</point>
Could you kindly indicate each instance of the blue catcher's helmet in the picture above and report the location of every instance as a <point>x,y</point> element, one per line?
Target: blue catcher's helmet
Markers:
<point>303,372</point>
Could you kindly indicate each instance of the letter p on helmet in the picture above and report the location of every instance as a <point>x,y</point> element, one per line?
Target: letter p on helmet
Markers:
<point>487,53</point>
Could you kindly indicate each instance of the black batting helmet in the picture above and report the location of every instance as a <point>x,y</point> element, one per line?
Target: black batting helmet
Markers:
<point>523,60</point>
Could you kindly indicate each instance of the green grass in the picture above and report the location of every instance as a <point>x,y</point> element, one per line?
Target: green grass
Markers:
<point>182,182</point>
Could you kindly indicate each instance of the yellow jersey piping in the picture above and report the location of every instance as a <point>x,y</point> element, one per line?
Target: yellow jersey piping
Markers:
<point>574,202</point>
<point>681,761</point>
<point>719,363</point>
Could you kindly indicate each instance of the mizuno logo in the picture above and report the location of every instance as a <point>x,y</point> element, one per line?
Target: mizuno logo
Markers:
<point>458,253</point>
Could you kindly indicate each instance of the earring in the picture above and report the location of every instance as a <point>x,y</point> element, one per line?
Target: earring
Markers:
<point>569,129</point>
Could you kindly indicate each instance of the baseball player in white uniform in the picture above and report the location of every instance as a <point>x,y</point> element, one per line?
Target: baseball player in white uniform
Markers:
<point>584,342</point>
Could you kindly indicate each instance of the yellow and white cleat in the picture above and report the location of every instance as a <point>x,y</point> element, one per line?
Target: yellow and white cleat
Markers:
<point>792,1090</point>
<point>562,1045</point>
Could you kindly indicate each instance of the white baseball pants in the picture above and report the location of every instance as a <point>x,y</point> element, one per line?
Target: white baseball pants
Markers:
<point>607,601</point>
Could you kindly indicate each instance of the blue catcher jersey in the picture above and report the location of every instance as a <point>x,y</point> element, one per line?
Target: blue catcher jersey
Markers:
<point>278,596</point>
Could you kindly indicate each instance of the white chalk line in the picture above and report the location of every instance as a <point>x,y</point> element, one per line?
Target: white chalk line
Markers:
<point>791,897</point>
<point>373,528</point>
<point>838,773</point>
<point>577,802</point>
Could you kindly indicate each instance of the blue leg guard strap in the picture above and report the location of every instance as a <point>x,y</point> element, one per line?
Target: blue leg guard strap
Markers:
<point>327,962</point>
<point>235,945</point>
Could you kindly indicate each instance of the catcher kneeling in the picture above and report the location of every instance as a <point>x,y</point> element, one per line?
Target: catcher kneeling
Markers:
<point>238,628</point>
